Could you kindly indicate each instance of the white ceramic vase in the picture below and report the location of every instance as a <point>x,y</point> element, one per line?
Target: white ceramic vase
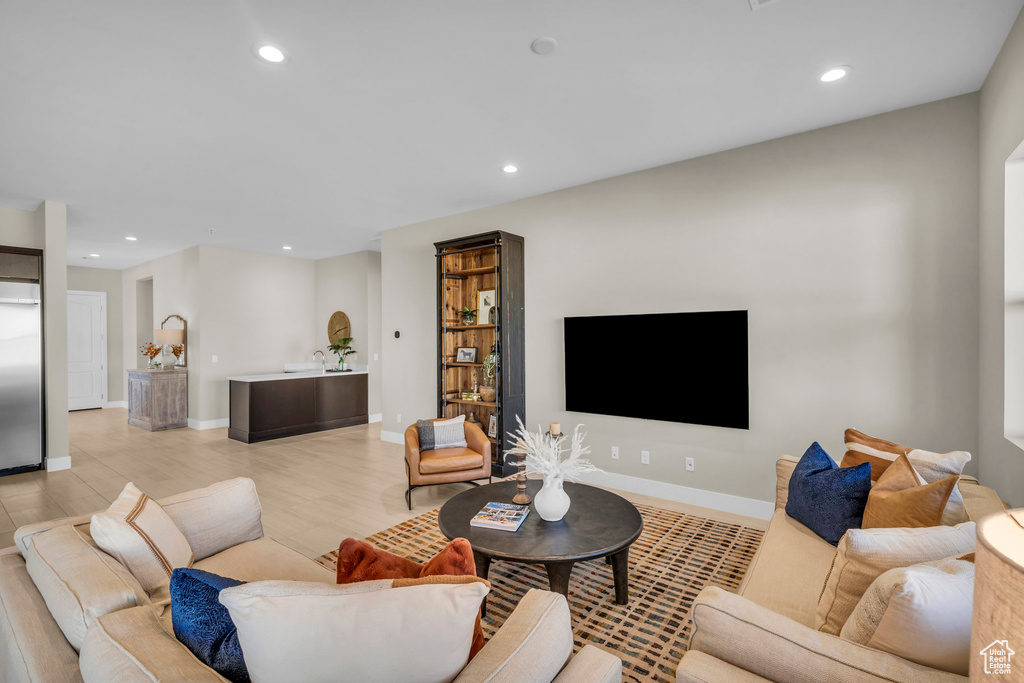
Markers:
<point>551,501</point>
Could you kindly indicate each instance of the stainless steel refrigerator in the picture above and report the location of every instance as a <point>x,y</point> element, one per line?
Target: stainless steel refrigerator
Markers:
<point>21,377</point>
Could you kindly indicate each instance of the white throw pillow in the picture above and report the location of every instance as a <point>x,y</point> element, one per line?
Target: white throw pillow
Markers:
<point>137,531</point>
<point>921,613</point>
<point>865,554</point>
<point>367,632</point>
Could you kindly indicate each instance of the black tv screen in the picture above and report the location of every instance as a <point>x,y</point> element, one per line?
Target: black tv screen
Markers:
<point>676,367</point>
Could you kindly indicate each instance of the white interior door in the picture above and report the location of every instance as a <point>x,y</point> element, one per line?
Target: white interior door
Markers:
<point>87,350</point>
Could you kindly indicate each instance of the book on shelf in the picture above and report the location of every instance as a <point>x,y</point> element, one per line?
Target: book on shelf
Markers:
<point>504,516</point>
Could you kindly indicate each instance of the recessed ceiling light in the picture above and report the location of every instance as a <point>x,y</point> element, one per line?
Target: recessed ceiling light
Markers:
<point>544,46</point>
<point>94,255</point>
<point>286,248</point>
<point>834,74</point>
<point>270,53</point>
<point>509,168</point>
<point>131,239</point>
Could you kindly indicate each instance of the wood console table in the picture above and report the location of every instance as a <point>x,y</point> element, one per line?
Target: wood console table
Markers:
<point>158,399</point>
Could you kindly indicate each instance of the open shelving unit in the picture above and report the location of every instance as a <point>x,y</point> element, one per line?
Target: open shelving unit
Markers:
<point>465,267</point>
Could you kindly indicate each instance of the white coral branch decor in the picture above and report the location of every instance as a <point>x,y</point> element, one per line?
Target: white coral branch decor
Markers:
<point>544,453</point>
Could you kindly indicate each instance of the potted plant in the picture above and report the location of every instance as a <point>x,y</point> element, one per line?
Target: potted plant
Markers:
<point>342,347</point>
<point>468,315</point>
<point>490,366</point>
<point>151,350</point>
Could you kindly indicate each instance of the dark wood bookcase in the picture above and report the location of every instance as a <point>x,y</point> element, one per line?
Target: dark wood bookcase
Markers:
<point>465,267</point>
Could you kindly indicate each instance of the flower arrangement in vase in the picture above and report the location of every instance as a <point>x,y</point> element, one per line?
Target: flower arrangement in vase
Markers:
<point>543,452</point>
<point>151,351</point>
<point>177,350</point>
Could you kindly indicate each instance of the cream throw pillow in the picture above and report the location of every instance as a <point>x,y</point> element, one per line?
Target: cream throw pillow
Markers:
<point>137,531</point>
<point>930,467</point>
<point>921,613</point>
<point>367,632</point>
<point>865,554</point>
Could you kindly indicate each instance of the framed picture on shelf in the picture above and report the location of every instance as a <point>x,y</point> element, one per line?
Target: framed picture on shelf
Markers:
<point>465,354</point>
<point>492,427</point>
<point>485,301</point>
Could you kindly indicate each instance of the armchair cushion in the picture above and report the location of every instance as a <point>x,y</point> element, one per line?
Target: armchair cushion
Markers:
<point>738,632</point>
<point>443,460</point>
<point>295,631</point>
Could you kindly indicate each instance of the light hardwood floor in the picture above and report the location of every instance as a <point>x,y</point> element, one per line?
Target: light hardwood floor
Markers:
<point>316,489</point>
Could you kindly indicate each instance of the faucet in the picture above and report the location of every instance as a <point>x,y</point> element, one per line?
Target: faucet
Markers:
<point>323,361</point>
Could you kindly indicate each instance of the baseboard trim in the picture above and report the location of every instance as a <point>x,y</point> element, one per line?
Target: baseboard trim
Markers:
<point>376,417</point>
<point>750,507</point>
<point>209,424</point>
<point>115,404</point>
<point>392,437</point>
<point>58,464</point>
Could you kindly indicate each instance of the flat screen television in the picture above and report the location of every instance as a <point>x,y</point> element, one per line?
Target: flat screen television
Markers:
<point>675,367</point>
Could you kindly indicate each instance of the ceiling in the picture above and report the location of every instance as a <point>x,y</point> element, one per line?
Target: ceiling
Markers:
<point>156,120</point>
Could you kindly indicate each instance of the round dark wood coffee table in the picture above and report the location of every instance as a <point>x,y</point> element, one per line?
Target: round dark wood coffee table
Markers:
<point>598,524</point>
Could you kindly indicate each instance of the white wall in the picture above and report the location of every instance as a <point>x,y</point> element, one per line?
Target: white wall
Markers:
<point>257,312</point>
<point>351,283</point>
<point>108,281</point>
<point>46,229</point>
<point>1001,132</point>
<point>853,247</point>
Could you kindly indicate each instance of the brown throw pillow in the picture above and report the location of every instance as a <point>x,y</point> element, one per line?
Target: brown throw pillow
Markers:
<point>898,499</point>
<point>362,561</point>
<point>861,447</point>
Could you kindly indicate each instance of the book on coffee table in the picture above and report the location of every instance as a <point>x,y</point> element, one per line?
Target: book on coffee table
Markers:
<point>504,516</point>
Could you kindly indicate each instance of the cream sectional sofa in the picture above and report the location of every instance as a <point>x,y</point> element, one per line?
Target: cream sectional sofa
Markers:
<point>70,612</point>
<point>766,631</point>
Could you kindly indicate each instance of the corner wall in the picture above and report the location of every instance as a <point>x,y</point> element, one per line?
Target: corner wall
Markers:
<point>1001,131</point>
<point>854,248</point>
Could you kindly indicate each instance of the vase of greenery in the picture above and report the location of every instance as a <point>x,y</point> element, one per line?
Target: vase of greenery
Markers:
<point>468,315</point>
<point>342,347</point>
<point>490,367</point>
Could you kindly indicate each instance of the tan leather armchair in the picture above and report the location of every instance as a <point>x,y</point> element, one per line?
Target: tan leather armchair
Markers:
<point>446,465</point>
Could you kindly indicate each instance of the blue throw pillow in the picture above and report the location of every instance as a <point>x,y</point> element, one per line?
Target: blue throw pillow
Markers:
<point>826,498</point>
<point>203,625</point>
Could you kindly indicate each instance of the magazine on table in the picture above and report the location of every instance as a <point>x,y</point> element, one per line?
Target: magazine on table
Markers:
<point>504,516</point>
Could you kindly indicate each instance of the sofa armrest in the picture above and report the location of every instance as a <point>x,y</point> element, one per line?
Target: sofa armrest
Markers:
<point>783,471</point>
<point>217,517</point>
<point>979,501</point>
<point>698,667</point>
<point>130,646</point>
<point>592,665</point>
<point>750,637</point>
<point>533,644</point>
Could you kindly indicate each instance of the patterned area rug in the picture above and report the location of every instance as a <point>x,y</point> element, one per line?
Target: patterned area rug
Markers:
<point>674,558</point>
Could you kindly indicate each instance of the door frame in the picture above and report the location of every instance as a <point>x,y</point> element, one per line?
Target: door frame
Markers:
<point>104,367</point>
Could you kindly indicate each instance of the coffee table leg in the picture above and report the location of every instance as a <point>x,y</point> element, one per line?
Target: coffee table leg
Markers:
<point>620,570</point>
<point>483,563</point>
<point>558,576</point>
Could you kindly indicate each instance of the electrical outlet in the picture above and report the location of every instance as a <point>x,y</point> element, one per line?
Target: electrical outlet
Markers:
<point>645,457</point>
<point>689,464</point>
<point>398,418</point>
<point>214,359</point>
<point>615,452</point>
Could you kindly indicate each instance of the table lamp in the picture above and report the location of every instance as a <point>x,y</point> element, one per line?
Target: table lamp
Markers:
<point>168,338</point>
<point>997,627</point>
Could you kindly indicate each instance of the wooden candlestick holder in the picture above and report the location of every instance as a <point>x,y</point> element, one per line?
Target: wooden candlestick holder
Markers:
<point>521,497</point>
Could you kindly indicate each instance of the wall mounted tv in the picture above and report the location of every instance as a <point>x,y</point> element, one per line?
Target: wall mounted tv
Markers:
<point>675,367</point>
